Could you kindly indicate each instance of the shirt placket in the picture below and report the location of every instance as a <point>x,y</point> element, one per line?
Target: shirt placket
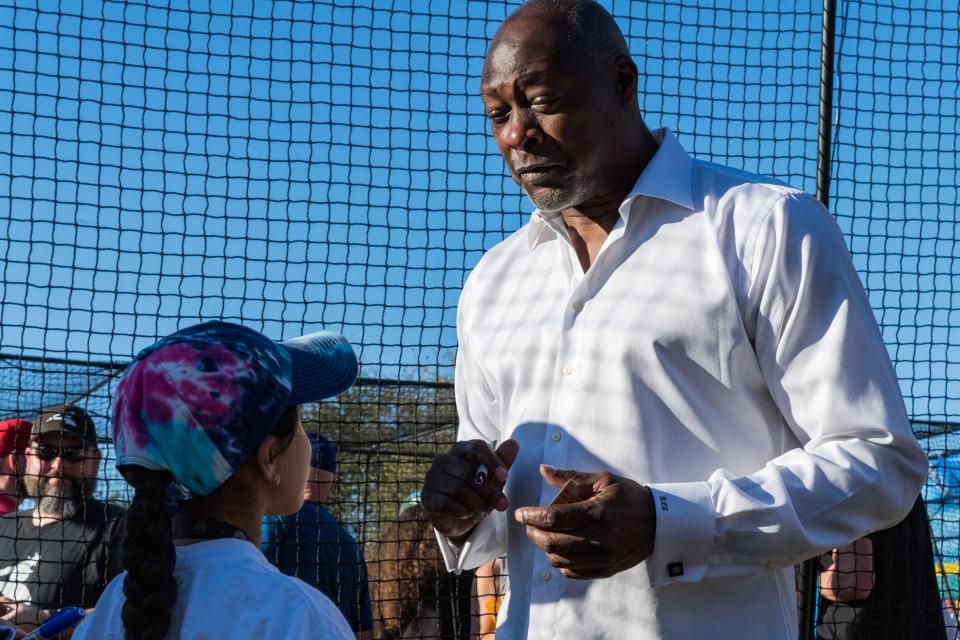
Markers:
<point>556,445</point>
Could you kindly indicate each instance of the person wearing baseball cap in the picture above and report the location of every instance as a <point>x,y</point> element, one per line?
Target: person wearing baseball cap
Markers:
<point>323,469</point>
<point>14,437</point>
<point>69,420</point>
<point>206,427</point>
<point>311,545</point>
<point>64,550</point>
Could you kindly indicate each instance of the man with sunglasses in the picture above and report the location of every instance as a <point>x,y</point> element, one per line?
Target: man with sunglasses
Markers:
<point>64,550</point>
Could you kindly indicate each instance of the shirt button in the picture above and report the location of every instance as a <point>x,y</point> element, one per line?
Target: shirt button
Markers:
<point>577,306</point>
<point>567,370</point>
<point>545,575</point>
<point>555,436</point>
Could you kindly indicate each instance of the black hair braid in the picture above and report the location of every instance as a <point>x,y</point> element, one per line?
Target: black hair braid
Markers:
<point>148,556</point>
<point>148,553</point>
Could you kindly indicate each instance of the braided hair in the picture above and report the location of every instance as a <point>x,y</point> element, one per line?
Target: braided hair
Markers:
<point>148,556</point>
<point>148,553</point>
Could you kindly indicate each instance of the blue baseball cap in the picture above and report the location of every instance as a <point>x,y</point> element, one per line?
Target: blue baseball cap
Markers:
<point>323,453</point>
<point>412,502</point>
<point>199,401</point>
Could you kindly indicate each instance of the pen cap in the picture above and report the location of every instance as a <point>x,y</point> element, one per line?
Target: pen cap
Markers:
<point>60,621</point>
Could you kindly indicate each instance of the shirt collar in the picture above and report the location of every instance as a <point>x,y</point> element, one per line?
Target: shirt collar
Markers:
<point>668,176</point>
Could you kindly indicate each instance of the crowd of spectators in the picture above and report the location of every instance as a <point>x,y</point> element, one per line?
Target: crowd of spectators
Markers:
<point>64,547</point>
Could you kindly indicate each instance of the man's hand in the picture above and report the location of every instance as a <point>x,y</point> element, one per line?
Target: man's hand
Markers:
<point>608,531</point>
<point>22,614</point>
<point>847,572</point>
<point>451,495</point>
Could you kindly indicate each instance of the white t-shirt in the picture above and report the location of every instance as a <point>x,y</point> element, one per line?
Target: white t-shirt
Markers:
<point>227,589</point>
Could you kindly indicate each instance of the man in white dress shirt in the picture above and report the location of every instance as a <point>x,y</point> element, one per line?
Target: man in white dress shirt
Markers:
<point>687,344</point>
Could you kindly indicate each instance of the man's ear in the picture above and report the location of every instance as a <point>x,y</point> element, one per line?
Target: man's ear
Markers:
<point>626,78</point>
<point>95,455</point>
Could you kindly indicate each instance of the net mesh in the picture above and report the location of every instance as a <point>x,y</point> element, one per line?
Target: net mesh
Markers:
<point>294,165</point>
<point>895,177</point>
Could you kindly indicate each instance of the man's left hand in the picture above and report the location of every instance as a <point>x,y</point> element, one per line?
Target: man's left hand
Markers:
<point>22,614</point>
<point>608,531</point>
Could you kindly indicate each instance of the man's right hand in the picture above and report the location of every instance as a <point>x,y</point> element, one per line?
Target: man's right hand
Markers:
<point>450,495</point>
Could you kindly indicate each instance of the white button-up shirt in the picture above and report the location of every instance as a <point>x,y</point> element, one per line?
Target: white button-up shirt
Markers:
<point>721,350</point>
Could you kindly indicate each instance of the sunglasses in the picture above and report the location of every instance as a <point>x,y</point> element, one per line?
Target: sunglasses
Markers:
<point>48,452</point>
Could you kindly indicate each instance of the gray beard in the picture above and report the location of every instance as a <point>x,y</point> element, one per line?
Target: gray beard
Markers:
<point>64,508</point>
<point>63,503</point>
<point>574,191</point>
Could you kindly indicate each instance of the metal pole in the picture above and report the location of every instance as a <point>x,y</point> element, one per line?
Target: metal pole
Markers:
<point>115,366</point>
<point>366,500</point>
<point>809,570</point>
<point>826,101</point>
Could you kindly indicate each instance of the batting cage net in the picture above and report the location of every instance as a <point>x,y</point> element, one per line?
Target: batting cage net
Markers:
<point>297,165</point>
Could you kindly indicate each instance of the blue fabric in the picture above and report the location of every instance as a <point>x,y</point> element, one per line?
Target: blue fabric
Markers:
<point>312,546</point>
<point>201,400</point>
<point>323,453</point>
<point>943,480</point>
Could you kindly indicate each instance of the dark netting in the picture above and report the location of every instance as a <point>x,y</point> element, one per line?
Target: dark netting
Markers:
<point>294,165</point>
<point>895,177</point>
<point>28,385</point>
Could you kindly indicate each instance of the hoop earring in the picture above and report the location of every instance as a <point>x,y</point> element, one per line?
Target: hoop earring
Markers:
<point>276,479</point>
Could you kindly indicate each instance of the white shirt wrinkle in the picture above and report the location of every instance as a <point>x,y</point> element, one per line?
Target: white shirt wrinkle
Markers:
<point>760,408</point>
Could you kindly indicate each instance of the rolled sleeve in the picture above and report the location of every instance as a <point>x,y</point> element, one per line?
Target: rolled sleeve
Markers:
<point>685,532</point>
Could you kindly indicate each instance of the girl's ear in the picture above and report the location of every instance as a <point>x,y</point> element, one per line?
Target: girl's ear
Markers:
<point>266,458</point>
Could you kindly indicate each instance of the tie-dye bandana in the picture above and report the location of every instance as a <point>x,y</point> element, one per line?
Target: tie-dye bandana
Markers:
<point>199,401</point>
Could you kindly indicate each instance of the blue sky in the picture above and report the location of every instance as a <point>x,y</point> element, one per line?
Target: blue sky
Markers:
<point>294,165</point>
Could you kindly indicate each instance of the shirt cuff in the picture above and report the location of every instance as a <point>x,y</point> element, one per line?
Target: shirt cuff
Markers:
<point>485,543</point>
<point>685,532</point>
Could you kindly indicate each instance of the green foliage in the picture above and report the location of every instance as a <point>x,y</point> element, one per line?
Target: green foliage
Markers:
<point>387,433</point>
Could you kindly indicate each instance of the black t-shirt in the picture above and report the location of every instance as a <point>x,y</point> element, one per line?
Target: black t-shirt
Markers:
<point>64,563</point>
<point>904,603</point>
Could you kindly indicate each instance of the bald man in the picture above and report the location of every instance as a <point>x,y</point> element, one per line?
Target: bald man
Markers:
<point>678,359</point>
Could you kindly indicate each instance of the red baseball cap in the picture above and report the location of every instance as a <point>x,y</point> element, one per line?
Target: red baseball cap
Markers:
<point>14,435</point>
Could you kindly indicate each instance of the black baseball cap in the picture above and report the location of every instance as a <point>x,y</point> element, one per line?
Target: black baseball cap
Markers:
<point>65,419</point>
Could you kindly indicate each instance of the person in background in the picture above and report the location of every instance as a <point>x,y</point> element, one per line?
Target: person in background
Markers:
<point>882,586</point>
<point>65,549</point>
<point>206,427</point>
<point>413,595</point>
<point>14,438</point>
<point>493,586</point>
<point>950,621</point>
<point>311,544</point>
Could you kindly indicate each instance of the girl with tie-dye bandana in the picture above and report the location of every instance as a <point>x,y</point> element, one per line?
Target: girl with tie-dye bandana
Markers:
<point>206,425</point>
